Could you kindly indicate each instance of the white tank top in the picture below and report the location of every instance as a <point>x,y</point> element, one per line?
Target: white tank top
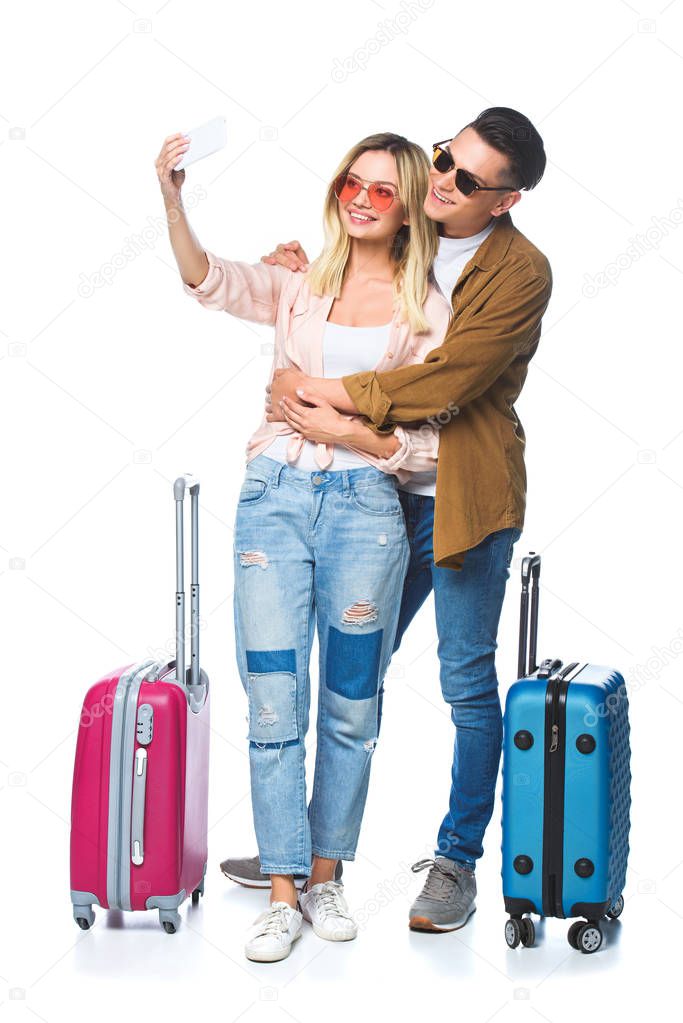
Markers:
<point>346,350</point>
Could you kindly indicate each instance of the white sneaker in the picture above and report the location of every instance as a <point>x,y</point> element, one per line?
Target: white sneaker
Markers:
<point>324,906</point>
<point>272,934</point>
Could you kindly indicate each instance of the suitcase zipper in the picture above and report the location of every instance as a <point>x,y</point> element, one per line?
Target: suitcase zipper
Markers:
<point>553,810</point>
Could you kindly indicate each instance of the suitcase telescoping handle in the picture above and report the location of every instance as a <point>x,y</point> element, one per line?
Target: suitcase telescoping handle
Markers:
<point>181,484</point>
<point>531,570</point>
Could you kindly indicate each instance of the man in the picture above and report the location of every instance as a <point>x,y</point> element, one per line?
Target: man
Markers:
<point>463,523</point>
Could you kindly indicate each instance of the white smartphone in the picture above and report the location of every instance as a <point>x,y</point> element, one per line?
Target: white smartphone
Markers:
<point>206,139</point>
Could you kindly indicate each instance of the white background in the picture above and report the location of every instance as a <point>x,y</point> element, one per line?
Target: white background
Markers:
<point>107,396</point>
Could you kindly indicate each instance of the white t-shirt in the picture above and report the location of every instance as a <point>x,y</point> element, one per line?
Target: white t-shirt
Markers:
<point>346,350</point>
<point>452,256</point>
<point>450,262</point>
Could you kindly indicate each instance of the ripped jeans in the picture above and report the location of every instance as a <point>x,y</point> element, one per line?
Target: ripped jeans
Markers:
<point>325,548</point>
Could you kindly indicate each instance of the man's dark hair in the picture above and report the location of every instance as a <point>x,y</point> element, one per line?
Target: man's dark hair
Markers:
<point>513,134</point>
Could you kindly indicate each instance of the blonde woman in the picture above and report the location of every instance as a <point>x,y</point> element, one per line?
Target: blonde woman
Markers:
<point>320,536</point>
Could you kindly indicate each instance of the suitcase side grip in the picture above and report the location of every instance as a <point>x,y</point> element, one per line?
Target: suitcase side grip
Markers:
<point>137,823</point>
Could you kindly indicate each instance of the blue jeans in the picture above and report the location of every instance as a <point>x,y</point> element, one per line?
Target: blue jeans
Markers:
<point>327,548</point>
<point>468,604</point>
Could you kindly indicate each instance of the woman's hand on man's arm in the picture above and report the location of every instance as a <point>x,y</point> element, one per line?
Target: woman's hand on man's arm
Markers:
<point>294,384</point>
<point>319,421</point>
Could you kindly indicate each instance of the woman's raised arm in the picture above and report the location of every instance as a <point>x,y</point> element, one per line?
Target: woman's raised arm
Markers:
<point>189,254</point>
<point>250,292</point>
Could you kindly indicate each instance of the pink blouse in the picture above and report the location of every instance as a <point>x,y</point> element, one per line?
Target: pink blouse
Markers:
<point>282,298</point>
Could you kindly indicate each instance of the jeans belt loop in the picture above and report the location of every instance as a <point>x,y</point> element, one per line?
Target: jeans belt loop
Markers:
<point>276,474</point>
<point>346,486</point>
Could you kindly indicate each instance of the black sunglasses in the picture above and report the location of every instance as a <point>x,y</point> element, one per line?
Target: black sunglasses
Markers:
<point>464,182</point>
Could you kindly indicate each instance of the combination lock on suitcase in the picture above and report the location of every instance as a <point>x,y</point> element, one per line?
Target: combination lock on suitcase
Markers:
<point>566,789</point>
<point>139,806</point>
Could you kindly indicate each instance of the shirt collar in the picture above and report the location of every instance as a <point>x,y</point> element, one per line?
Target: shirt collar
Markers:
<point>494,248</point>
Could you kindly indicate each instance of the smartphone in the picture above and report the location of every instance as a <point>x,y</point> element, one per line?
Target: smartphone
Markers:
<point>206,139</point>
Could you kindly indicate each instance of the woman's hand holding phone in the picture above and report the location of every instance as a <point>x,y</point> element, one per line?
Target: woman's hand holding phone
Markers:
<point>190,256</point>
<point>171,180</point>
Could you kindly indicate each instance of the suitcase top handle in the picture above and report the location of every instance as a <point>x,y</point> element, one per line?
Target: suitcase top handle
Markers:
<point>531,566</point>
<point>183,483</point>
<point>531,571</point>
<point>186,480</point>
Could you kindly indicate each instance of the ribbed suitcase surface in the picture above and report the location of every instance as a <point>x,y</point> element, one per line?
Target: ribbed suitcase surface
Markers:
<point>566,791</point>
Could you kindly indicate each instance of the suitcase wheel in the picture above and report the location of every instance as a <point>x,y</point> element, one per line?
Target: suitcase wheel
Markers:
<point>169,920</point>
<point>513,932</point>
<point>528,932</point>
<point>84,917</point>
<point>617,909</point>
<point>199,890</point>
<point>585,935</point>
<point>573,932</point>
<point>520,930</point>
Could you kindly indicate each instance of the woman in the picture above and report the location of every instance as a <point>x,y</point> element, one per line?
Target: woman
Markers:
<point>319,533</point>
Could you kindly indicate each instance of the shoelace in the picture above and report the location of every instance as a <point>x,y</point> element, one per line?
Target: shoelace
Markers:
<point>330,900</point>
<point>437,885</point>
<point>274,921</point>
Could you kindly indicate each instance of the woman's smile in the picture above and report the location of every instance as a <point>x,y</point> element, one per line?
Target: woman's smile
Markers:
<point>360,218</point>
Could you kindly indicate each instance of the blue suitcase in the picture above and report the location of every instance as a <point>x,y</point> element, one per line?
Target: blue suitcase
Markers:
<point>566,789</point>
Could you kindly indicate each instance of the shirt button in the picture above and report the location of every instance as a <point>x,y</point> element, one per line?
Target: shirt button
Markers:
<point>390,355</point>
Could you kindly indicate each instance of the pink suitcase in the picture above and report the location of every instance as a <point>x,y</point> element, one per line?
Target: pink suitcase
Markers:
<point>139,803</point>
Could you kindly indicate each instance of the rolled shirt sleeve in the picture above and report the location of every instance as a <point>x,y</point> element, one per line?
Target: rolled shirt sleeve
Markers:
<point>473,355</point>
<point>419,452</point>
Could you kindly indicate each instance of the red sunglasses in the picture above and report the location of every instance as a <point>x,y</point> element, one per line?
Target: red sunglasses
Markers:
<point>380,193</point>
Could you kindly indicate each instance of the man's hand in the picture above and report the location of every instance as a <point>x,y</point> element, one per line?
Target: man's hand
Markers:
<point>289,255</point>
<point>284,382</point>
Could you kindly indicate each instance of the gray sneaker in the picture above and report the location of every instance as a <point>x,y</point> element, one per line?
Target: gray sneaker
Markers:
<point>247,872</point>
<point>447,900</point>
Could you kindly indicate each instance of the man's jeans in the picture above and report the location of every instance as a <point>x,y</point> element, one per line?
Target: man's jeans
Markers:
<point>331,548</point>
<point>468,604</point>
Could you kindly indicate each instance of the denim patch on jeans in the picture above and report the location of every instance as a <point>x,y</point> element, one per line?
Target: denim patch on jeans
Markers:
<point>326,549</point>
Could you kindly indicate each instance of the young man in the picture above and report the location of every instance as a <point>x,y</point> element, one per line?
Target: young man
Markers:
<point>464,520</point>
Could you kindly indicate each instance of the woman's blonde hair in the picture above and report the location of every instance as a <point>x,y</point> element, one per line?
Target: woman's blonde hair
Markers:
<point>415,244</point>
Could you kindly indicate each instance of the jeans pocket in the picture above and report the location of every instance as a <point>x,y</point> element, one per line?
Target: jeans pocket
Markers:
<point>272,706</point>
<point>377,500</point>
<point>254,488</point>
